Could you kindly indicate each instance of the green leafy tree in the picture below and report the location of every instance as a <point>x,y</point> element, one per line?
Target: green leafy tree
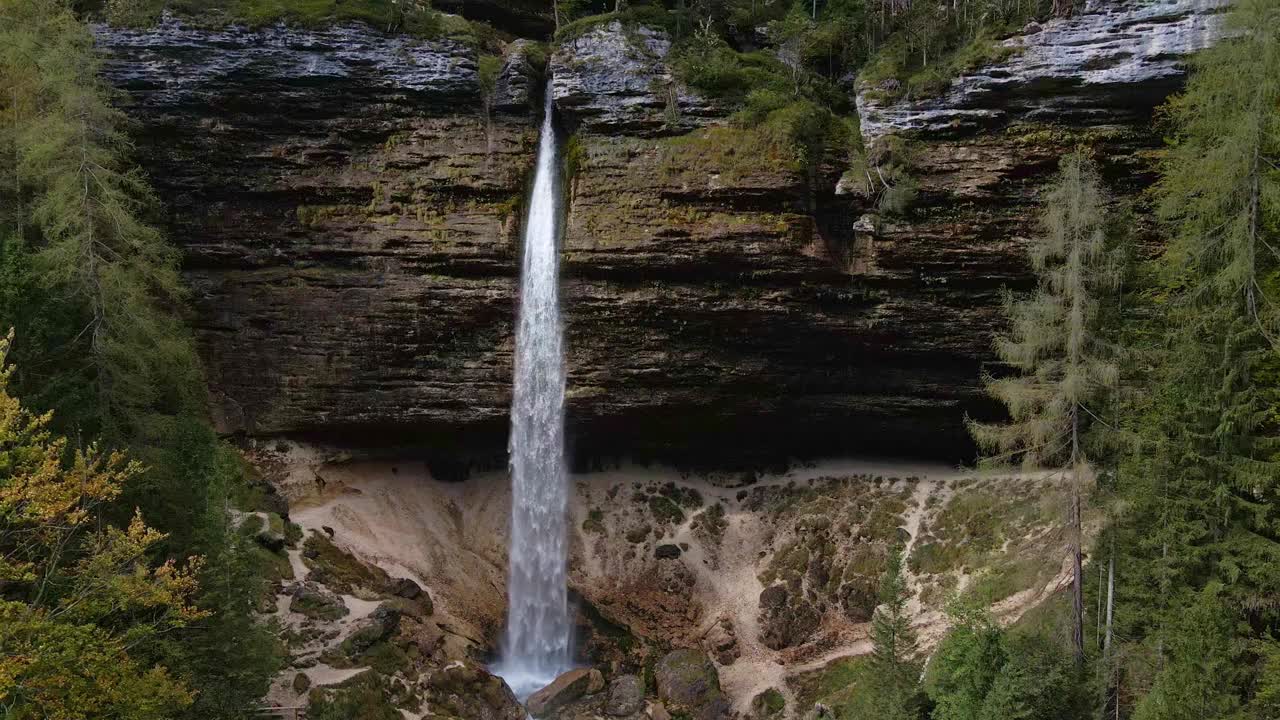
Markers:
<point>1058,347</point>
<point>94,292</point>
<point>79,595</point>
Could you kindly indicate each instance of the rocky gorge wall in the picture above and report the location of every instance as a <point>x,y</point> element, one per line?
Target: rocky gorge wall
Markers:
<point>348,204</point>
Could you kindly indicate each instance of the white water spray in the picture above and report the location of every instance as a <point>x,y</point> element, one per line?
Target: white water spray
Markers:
<point>536,647</point>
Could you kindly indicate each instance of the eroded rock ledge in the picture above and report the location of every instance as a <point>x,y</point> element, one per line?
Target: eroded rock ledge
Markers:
<point>349,207</point>
<point>1111,62</point>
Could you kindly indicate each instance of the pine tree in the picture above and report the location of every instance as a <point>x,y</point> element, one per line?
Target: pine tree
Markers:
<point>1220,195</point>
<point>1057,347</point>
<point>892,690</point>
<point>893,640</point>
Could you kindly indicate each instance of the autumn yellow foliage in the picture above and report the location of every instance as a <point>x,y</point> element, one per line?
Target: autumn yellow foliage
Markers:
<point>77,594</point>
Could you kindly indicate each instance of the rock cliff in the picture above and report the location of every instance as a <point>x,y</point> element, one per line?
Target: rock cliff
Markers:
<point>349,207</point>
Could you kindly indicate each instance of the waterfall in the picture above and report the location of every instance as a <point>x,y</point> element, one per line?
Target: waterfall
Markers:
<point>536,647</point>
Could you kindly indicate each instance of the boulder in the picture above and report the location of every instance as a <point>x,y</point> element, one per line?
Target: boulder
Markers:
<point>721,640</point>
<point>379,626</point>
<point>615,79</point>
<point>467,691</point>
<point>565,689</point>
<point>313,601</point>
<point>513,90</point>
<point>784,621</point>
<point>689,683</point>
<point>1086,67</point>
<point>272,536</point>
<point>626,696</point>
<point>667,552</point>
<point>405,588</point>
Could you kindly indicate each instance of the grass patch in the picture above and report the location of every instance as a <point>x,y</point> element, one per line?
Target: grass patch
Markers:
<point>768,703</point>
<point>665,510</point>
<point>339,570</point>
<point>833,685</point>
<point>594,522</point>
<point>894,73</point>
<point>410,17</point>
<point>631,17</point>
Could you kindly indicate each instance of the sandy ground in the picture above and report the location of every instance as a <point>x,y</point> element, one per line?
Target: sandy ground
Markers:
<point>451,538</point>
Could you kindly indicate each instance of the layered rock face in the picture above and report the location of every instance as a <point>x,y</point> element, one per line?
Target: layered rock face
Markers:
<point>349,216</point>
<point>349,205</point>
<point>1110,62</point>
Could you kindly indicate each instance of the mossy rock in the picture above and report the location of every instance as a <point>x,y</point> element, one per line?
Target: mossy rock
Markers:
<point>469,692</point>
<point>367,696</point>
<point>665,510</point>
<point>768,704</point>
<point>594,522</point>
<point>688,682</point>
<point>339,570</point>
<point>316,603</point>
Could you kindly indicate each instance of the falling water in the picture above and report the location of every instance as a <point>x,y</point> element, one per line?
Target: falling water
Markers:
<point>536,647</point>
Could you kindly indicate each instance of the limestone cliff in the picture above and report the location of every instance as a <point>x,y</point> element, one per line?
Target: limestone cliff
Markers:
<point>349,204</point>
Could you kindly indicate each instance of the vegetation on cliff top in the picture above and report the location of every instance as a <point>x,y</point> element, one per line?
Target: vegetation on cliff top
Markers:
<point>411,17</point>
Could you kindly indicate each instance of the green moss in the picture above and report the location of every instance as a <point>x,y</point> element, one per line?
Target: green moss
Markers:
<point>412,17</point>
<point>367,696</point>
<point>250,525</point>
<point>665,510</point>
<point>340,570</point>
<point>489,67</point>
<point>893,62</point>
<point>630,17</point>
<point>768,703</point>
<point>710,524</point>
<point>834,685</point>
<point>594,522</point>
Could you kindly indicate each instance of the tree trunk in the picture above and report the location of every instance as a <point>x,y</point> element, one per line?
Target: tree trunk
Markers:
<point>1111,602</point>
<point>1077,564</point>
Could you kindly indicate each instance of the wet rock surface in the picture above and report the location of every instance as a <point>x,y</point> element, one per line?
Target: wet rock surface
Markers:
<point>565,689</point>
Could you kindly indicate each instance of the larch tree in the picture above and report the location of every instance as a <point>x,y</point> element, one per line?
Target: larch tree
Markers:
<point>1220,196</point>
<point>1211,485</point>
<point>88,212</point>
<point>1064,365</point>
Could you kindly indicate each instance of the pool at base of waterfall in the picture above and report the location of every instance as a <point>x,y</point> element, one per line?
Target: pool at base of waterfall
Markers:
<point>525,681</point>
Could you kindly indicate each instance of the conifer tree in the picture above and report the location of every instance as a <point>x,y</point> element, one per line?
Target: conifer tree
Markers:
<point>1204,484</point>
<point>891,689</point>
<point>1056,346</point>
<point>1220,195</point>
<point>87,208</point>
<point>893,640</point>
